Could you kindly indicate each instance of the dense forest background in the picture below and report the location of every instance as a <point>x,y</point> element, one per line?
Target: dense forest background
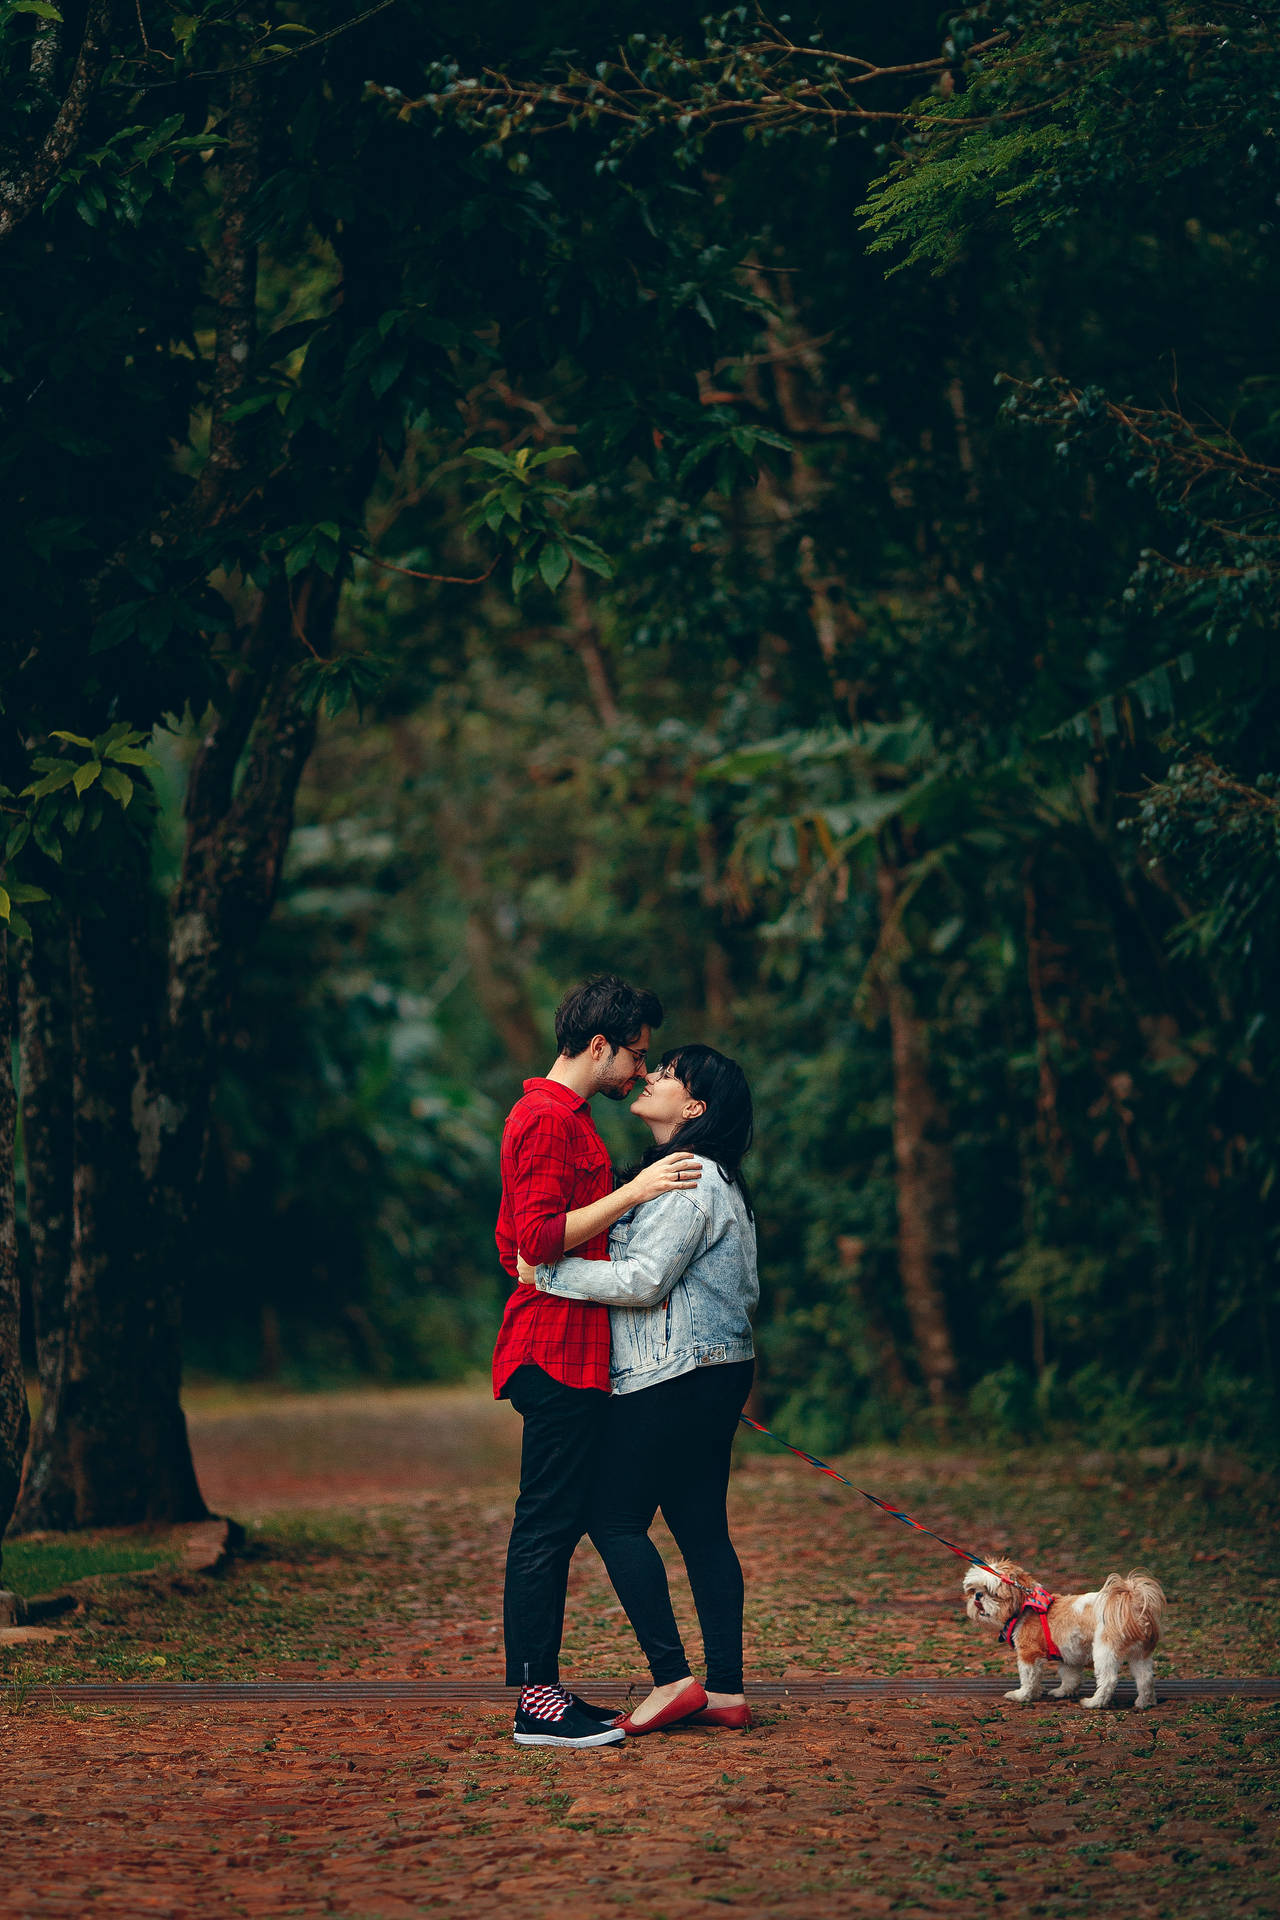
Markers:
<point>789,518</point>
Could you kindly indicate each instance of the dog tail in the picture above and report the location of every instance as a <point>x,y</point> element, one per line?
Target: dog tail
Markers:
<point>1131,1609</point>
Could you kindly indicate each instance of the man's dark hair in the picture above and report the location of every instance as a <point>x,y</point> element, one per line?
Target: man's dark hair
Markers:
<point>605,1005</point>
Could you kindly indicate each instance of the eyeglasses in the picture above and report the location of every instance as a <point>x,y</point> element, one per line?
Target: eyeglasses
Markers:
<point>638,1055</point>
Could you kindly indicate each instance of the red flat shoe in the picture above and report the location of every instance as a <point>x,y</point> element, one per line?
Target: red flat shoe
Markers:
<point>689,1701</point>
<point>739,1718</point>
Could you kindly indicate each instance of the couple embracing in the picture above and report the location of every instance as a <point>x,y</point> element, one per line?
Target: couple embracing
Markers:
<point>626,1349</point>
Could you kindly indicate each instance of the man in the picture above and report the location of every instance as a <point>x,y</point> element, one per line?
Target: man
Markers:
<point>551,1359</point>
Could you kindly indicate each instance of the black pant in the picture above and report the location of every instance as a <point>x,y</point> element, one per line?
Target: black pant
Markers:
<point>668,1446</point>
<point>557,1459</point>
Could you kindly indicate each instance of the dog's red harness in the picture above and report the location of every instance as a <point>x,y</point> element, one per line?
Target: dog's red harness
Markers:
<point>1037,1601</point>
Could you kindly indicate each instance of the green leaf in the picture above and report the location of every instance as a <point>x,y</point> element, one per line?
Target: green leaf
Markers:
<point>766,437</point>
<point>492,458</point>
<point>47,841</point>
<point>552,453</point>
<point>589,555</point>
<point>118,785</point>
<point>115,627</point>
<point>20,925</point>
<point>386,373</point>
<point>553,564</point>
<point>6,905</point>
<point>132,756</point>
<point>76,739</point>
<point>287,340</point>
<point>17,839</point>
<point>86,775</point>
<point>25,895</point>
<point>51,782</point>
<point>116,735</point>
<point>256,403</point>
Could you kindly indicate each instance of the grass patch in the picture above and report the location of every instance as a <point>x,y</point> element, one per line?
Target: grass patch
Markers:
<point>42,1566</point>
<point>311,1587</point>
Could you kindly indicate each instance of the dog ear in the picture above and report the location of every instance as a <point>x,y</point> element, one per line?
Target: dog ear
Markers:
<point>1015,1576</point>
<point>1013,1585</point>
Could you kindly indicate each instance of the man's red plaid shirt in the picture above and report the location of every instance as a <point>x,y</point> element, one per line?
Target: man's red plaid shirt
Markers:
<point>553,1161</point>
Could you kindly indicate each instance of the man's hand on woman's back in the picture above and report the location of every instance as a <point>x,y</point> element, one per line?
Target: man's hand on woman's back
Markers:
<point>669,1175</point>
<point>674,1173</point>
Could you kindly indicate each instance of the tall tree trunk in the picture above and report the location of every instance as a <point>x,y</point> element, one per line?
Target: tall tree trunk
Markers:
<point>147,1031</point>
<point>849,1254</point>
<point>586,638</point>
<point>237,835</point>
<point>149,1025</point>
<point>13,1390</point>
<point>45,1082</point>
<point>113,1450</point>
<point>922,1157</point>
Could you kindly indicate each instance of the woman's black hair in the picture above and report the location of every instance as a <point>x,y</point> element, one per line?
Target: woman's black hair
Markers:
<point>722,1133</point>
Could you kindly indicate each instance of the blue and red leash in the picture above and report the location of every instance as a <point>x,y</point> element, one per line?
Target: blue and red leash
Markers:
<point>895,1513</point>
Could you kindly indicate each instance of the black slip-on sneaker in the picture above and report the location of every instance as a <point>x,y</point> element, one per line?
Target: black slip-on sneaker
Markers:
<point>605,1715</point>
<point>574,1728</point>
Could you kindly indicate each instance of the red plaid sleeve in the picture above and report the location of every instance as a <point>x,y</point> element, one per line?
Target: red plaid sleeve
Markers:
<point>553,1161</point>
<point>540,1171</point>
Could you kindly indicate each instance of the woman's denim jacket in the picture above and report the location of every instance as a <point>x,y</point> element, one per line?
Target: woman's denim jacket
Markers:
<point>680,1278</point>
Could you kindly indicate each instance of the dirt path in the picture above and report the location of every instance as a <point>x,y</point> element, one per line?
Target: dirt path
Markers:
<point>908,1808</point>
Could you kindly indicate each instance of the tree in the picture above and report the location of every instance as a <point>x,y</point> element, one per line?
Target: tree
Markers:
<point>1023,599</point>
<point>341,333</point>
<point>14,1420</point>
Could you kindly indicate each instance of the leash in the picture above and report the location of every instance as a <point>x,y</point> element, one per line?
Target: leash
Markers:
<point>895,1513</point>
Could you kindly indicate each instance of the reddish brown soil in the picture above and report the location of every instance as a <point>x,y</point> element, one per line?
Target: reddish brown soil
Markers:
<point>817,1813</point>
<point>910,1807</point>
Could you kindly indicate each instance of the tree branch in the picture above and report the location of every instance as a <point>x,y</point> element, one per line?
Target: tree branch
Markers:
<point>21,196</point>
<point>235,294</point>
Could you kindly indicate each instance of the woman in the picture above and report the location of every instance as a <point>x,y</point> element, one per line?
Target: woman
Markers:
<point>681,1280</point>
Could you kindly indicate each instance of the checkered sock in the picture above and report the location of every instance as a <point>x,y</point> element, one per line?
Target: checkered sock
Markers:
<point>545,1703</point>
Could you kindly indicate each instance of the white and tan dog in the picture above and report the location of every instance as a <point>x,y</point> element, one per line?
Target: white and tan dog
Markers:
<point>1119,1623</point>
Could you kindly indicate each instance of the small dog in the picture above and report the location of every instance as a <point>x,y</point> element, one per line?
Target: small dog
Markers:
<point>1119,1623</point>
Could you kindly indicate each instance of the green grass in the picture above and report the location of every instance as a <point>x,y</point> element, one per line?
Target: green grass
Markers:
<point>42,1566</point>
<point>319,1587</point>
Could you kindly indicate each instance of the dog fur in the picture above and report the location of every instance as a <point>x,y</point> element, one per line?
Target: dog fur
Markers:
<point>1118,1624</point>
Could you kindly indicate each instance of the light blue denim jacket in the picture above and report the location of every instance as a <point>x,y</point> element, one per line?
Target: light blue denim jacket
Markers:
<point>680,1278</point>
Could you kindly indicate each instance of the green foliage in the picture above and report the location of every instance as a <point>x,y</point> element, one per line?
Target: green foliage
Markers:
<point>352,1179</point>
<point>334,685</point>
<point>1071,102</point>
<point>902,630</point>
<point>57,809</point>
<point>527,511</point>
<point>1217,838</point>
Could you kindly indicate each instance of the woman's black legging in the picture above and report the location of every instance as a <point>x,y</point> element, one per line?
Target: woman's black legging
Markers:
<point>668,1446</point>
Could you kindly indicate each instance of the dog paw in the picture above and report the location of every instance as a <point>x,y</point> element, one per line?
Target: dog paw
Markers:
<point>1018,1695</point>
<point>1093,1701</point>
<point>1141,1704</point>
